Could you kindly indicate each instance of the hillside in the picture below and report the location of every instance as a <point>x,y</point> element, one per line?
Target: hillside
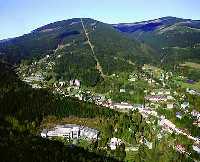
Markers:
<point>164,32</point>
<point>21,113</point>
<point>66,40</point>
<point>169,35</point>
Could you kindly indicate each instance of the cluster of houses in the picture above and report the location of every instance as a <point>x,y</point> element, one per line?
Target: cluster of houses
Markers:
<point>156,97</point>
<point>34,80</point>
<point>192,92</point>
<point>71,132</point>
<point>160,96</point>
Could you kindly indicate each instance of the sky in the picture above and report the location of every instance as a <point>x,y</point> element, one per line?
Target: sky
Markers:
<point>19,17</point>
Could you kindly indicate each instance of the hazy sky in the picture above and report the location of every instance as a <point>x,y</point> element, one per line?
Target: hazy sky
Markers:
<point>21,16</point>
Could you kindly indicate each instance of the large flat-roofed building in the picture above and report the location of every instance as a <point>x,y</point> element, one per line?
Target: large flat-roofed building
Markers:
<point>122,105</point>
<point>71,131</point>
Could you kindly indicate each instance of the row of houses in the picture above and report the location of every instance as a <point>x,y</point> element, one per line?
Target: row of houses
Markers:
<point>71,131</point>
<point>192,92</point>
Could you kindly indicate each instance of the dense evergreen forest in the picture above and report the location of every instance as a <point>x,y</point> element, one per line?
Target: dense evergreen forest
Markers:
<point>21,112</point>
<point>23,109</point>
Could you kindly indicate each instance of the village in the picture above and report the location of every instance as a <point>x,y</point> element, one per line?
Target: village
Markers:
<point>159,98</point>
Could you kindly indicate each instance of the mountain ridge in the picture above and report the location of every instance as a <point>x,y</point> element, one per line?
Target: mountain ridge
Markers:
<point>107,51</point>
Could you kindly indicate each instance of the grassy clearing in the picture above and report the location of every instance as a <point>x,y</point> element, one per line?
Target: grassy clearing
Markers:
<point>192,86</point>
<point>191,65</point>
<point>52,121</point>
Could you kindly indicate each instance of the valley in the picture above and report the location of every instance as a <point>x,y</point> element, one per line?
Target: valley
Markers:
<point>72,78</point>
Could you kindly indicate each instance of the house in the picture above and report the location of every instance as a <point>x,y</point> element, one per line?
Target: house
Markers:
<point>79,96</point>
<point>61,84</point>
<point>122,90</point>
<point>159,136</point>
<point>190,91</point>
<point>122,105</point>
<point>196,147</point>
<point>146,112</point>
<point>36,86</point>
<point>99,98</point>
<point>147,143</point>
<point>195,113</point>
<point>170,105</point>
<point>179,115</point>
<point>170,97</point>
<point>185,105</point>
<point>132,79</point>
<point>114,142</point>
<point>197,122</point>
<point>75,83</point>
<point>59,56</point>
<point>44,133</point>
<point>138,106</point>
<point>180,148</point>
<point>156,98</point>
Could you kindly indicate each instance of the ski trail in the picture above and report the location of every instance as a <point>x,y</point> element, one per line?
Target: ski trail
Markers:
<point>98,66</point>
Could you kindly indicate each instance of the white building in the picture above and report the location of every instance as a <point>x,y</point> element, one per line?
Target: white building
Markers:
<point>156,98</point>
<point>195,113</point>
<point>122,90</point>
<point>122,105</point>
<point>36,86</point>
<point>75,83</point>
<point>61,84</point>
<point>179,115</point>
<point>71,131</point>
<point>147,143</point>
<point>44,133</point>
<point>196,148</point>
<point>185,105</point>
<point>114,142</point>
<point>89,133</point>
<point>170,105</point>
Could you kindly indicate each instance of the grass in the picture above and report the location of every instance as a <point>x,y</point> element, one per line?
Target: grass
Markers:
<point>195,85</point>
<point>131,155</point>
<point>191,65</point>
<point>52,121</point>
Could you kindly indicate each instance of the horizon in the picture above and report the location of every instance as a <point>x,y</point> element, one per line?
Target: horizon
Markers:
<point>27,16</point>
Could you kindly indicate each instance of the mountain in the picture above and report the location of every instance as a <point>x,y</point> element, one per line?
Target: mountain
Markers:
<point>164,32</point>
<point>108,51</point>
<point>176,39</point>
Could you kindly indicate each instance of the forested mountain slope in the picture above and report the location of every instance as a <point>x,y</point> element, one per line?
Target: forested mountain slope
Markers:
<point>176,39</point>
<point>67,41</point>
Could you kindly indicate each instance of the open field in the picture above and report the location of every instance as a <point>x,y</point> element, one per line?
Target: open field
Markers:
<point>52,121</point>
<point>192,86</point>
<point>191,65</point>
